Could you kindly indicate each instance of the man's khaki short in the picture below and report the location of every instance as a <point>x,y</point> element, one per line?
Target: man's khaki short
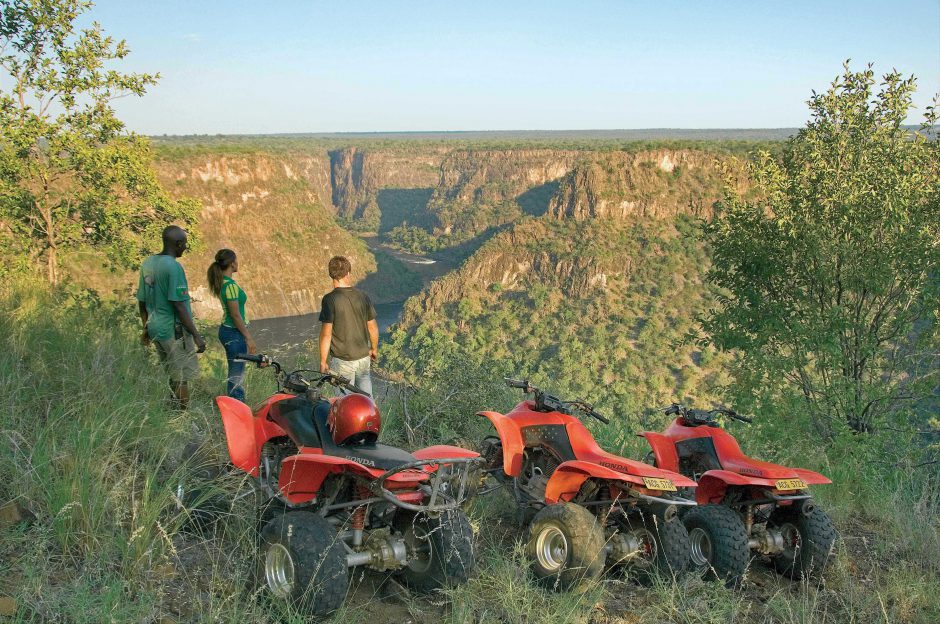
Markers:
<point>179,358</point>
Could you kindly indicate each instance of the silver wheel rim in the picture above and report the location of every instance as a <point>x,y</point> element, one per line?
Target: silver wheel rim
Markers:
<point>701,548</point>
<point>551,548</point>
<point>792,540</point>
<point>648,547</point>
<point>419,544</point>
<point>279,571</point>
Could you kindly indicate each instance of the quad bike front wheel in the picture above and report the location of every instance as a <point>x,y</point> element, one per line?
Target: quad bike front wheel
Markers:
<point>662,546</point>
<point>808,539</point>
<point>719,543</point>
<point>303,562</point>
<point>440,548</point>
<point>212,496</point>
<point>566,547</point>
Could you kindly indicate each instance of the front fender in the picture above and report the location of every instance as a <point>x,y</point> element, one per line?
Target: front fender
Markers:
<point>664,450</point>
<point>245,434</point>
<point>569,476</point>
<point>239,426</point>
<point>511,438</point>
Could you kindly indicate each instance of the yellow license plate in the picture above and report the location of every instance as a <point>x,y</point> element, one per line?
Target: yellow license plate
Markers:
<point>790,484</point>
<point>659,484</point>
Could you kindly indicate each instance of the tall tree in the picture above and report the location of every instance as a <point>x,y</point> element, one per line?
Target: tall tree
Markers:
<point>71,176</point>
<point>831,276</point>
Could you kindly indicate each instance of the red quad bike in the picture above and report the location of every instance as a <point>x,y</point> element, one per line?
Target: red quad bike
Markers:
<point>588,508</point>
<point>336,499</point>
<point>744,504</point>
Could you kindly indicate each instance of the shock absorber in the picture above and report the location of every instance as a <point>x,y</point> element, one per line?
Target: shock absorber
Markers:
<point>358,520</point>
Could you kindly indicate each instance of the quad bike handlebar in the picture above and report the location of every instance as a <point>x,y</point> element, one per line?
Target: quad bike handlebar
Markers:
<point>295,382</point>
<point>545,402</point>
<point>697,417</point>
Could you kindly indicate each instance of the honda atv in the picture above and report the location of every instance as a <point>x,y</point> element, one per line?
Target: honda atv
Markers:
<point>744,504</point>
<point>335,498</point>
<point>585,507</point>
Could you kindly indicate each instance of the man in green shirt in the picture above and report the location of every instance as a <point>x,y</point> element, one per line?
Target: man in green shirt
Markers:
<point>164,304</point>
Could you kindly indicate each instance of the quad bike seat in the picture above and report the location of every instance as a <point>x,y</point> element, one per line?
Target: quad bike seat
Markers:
<point>305,424</point>
<point>749,466</point>
<point>719,450</point>
<point>586,449</point>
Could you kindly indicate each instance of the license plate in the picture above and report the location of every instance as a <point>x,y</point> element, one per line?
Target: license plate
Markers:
<point>790,484</point>
<point>659,484</point>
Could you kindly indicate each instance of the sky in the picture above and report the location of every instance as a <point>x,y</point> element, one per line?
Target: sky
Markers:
<point>250,67</point>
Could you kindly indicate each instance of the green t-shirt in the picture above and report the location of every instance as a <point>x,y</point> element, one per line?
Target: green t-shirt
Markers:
<point>231,291</point>
<point>162,281</point>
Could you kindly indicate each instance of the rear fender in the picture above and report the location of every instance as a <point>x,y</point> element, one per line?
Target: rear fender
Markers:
<point>443,451</point>
<point>511,439</point>
<point>302,475</point>
<point>664,450</point>
<point>811,478</point>
<point>713,484</point>
<point>569,476</point>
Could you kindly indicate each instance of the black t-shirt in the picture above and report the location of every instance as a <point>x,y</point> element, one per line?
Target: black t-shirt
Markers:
<point>349,309</point>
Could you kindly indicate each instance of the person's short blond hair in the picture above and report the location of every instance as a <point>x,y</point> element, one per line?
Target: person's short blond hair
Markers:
<point>339,267</point>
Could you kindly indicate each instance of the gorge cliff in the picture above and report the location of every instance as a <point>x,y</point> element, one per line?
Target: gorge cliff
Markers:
<point>603,285</point>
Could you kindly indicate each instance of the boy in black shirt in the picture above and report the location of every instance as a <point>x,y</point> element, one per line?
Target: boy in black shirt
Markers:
<point>349,334</point>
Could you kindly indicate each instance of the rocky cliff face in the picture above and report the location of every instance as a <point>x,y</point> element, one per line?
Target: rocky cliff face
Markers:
<point>528,254</point>
<point>277,209</point>
<point>555,251</point>
<point>274,211</point>
<point>357,174</point>
<point>652,184</point>
<point>479,188</point>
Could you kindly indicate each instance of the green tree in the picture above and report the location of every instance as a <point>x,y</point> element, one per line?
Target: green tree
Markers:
<point>71,176</point>
<point>830,267</point>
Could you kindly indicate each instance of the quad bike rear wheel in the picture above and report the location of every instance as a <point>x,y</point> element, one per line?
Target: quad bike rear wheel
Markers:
<point>719,543</point>
<point>566,547</point>
<point>442,549</point>
<point>303,562</point>
<point>808,538</point>
<point>664,546</point>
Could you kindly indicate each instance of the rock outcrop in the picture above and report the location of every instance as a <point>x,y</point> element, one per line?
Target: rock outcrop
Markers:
<point>479,188</point>
<point>357,174</point>
<point>275,212</point>
<point>515,260</point>
<point>650,184</point>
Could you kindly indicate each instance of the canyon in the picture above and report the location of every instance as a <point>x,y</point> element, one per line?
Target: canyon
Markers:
<point>287,210</point>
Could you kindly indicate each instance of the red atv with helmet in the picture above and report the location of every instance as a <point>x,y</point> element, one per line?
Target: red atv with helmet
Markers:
<point>585,508</point>
<point>335,498</point>
<point>745,504</point>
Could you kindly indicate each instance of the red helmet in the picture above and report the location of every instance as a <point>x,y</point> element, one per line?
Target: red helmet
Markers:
<point>354,418</point>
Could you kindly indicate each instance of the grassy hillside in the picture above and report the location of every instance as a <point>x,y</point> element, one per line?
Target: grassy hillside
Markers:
<point>90,450</point>
<point>602,320</point>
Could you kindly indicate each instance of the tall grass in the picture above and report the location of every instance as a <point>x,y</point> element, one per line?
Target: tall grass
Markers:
<point>85,438</point>
<point>89,445</point>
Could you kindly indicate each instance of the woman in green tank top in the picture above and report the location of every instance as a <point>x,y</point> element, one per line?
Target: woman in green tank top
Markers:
<point>233,332</point>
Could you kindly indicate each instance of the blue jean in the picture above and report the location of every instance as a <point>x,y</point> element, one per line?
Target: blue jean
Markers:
<point>358,372</point>
<point>234,344</point>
